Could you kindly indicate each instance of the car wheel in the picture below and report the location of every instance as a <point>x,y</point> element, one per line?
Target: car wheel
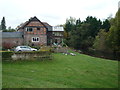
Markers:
<point>19,50</point>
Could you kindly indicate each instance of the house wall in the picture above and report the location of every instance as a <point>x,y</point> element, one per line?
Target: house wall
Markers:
<point>35,33</point>
<point>35,25</point>
<point>42,40</point>
<point>49,38</point>
<point>57,36</point>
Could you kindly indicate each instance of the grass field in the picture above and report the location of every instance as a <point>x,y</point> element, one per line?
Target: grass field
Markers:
<point>80,71</point>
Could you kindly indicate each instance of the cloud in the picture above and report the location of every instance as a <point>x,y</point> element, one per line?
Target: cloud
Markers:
<point>119,4</point>
<point>55,11</point>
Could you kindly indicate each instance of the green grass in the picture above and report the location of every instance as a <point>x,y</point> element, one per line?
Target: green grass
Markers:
<point>80,71</point>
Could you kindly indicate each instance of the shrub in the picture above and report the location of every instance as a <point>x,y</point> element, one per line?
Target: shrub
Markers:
<point>36,47</point>
<point>0,48</point>
<point>7,55</point>
<point>7,45</point>
<point>46,48</point>
<point>35,52</point>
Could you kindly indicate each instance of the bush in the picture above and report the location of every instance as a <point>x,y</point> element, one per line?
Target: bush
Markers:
<point>7,54</point>
<point>35,52</point>
<point>46,48</point>
<point>36,47</point>
<point>7,45</point>
<point>0,48</point>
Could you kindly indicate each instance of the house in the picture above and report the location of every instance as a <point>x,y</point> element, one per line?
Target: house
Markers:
<point>57,34</point>
<point>33,33</point>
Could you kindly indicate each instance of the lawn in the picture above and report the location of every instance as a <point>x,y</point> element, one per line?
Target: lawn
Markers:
<point>80,71</point>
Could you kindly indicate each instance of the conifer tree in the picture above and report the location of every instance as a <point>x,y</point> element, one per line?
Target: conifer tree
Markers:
<point>3,24</point>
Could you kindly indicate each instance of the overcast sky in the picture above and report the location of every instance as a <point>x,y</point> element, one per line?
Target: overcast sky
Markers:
<point>55,11</point>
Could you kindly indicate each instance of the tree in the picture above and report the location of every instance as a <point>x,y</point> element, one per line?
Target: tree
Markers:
<point>100,41</point>
<point>70,24</point>
<point>78,22</point>
<point>106,25</point>
<point>95,25</point>
<point>3,24</point>
<point>114,33</point>
<point>82,34</point>
<point>85,38</point>
<point>10,29</point>
<point>80,38</point>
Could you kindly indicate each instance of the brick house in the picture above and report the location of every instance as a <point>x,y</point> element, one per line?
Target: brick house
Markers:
<point>33,33</point>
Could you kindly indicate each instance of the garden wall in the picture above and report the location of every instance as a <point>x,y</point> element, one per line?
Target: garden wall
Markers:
<point>38,55</point>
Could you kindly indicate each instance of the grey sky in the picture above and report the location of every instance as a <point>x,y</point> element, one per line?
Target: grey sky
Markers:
<point>55,11</point>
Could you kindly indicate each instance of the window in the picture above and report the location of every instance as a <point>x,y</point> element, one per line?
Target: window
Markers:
<point>29,29</point>
<point>35,39</point>
<point>38,28</point>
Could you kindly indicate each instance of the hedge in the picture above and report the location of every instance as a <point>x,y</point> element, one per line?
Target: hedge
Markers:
<point>6,55</point>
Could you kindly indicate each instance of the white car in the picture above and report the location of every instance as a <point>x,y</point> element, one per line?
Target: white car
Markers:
<point>24,48</point>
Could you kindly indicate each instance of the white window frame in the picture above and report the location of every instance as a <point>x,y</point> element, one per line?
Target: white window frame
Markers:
<point>27,29</point>
<point>35,39</point>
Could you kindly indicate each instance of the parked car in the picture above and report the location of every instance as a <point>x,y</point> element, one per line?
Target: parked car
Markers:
<point>24,48</point>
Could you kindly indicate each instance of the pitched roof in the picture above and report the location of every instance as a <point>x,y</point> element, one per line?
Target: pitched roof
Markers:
<point>49,27</point>
<point>23,25</point>
<point>11,34</point>
<point>46,24</point>
<point>31,19</point>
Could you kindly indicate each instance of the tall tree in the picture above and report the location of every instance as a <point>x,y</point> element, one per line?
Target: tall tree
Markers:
<point>78,24</point>
<point>3,24</point>
<point>114,33</point>
<point>100,41</point>
<point>70,24</point>
<point>106,25</point>
<point>95,25</point>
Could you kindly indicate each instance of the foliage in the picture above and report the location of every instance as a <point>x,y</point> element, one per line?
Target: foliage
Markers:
<point>114,33</point>
<point>80,71</point>
<point>7,45</point>
<point>36,47</point>
<point>81,34</point>
<point>109,38</point>
<point>0,47</point>
<point>9,30</point>
<point>100,41</point>
<point>92,32</point>
<point>94,25</point>
<point>106,25</point>
<point>45,48</point>
<point>7,55</point>
<point>3,24</point>
<point>69,25</point>
<point>34,52</point>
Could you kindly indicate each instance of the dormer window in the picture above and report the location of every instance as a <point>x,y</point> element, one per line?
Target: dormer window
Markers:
<point>29,29</point>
